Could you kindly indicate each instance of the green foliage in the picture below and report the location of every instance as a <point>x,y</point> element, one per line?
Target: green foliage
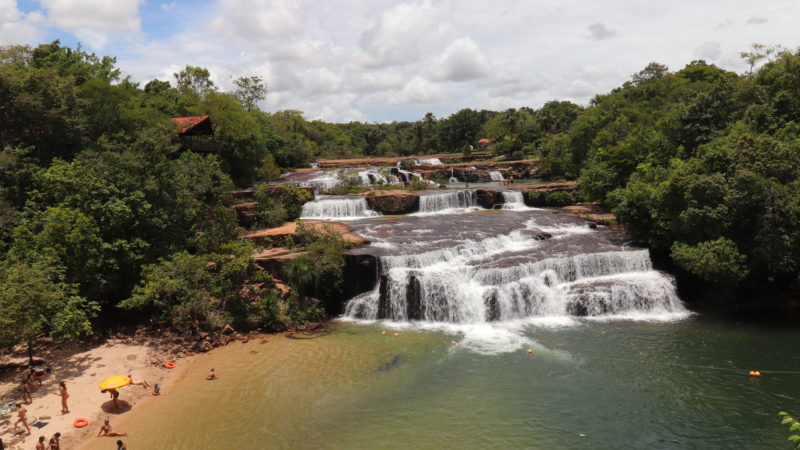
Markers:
<point>794,427</point>
<point>249,91</point>
<point>269,169</point>
<point>35,299</point>
<point>717,261</point>
<point>217,289</point>
<point>318,271</point>
<point>277,204</point>
<point>554,198</point>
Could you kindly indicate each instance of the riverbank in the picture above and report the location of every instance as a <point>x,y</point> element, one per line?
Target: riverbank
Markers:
<point>82,366</point>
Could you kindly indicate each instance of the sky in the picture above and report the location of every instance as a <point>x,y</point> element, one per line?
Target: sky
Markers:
<point>386,60</point>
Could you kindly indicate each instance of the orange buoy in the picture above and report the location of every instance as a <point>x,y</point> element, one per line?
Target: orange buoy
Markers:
<point>453,342</point>
<point>169,365</point>
<point>383,333</point>
<point>530,351</point>
<point>80,423</point>
<point>397,334</point>
<point>756,373</point>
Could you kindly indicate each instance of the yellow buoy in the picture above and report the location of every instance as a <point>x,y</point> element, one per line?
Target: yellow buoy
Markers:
<point>383,333</point>
<point>530,351</point>
<point>396,334</point>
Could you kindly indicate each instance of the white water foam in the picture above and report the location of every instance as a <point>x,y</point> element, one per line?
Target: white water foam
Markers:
<point>496,175</point>
<point>448,202</point>
<point>337,209</point>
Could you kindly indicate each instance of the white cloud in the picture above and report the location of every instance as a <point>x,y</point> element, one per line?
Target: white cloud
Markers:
<point>397,59</point>
<point>167,6</point>
<point>16,27</point>
<point>462,60</point>
<point>94,21</point>
<point>756,20</point>
<point>418,91</point>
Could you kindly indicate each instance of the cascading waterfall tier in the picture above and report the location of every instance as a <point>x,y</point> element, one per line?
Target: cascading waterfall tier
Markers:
<point>496,175</point>
<point>446,201</point>
<point>513,200</point>
<point>337,208</point>
<point>429,161</point>
<point>515,276</point>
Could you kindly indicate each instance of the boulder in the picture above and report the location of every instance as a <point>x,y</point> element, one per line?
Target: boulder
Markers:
<point>394,203</point>
<point>488,198</point>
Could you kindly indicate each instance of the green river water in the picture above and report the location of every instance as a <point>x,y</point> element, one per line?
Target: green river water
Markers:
<point>588,384</point>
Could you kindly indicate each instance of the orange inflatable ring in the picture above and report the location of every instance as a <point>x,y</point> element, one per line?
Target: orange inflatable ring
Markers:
<point>169,365</point>
<point>80,423</point>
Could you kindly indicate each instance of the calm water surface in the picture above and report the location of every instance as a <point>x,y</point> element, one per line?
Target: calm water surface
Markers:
<point>589,384</point>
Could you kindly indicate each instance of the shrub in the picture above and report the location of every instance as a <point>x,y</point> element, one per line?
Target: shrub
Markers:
<point>717,261</point>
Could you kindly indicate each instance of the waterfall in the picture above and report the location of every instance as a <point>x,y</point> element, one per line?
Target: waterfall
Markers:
<point>496,175</point>
<point>443,201</point>
<point>518,275</point>
<point>337,209</point>
<point>513,200</point>
<point>430,161</point>
<point>452,179</point>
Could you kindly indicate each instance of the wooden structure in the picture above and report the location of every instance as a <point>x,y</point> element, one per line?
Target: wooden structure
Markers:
<point>195,133</point>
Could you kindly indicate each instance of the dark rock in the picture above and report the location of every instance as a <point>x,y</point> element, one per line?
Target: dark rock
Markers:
<point>399,203</point>
<point>488,198</point>
<point>542,235</point>
<point>592,225</point>
<point>384,310</point>
<point>492,308</point>
<point>414,299</point>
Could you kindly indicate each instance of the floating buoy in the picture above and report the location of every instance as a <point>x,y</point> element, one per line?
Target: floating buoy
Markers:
<point>169,365</point>
<point>754,373</point>
<point>383,333</point>
<point>396,334</point>
<point>453,342</point>
<point>80,423</point>
<point>530,351</point>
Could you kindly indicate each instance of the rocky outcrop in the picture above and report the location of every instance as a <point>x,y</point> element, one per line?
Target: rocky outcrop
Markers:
<point>382,162</point>
<point>388,203</point>
<point>360,274</point>
<point>272,260</point>
<point>489,198</point>
<point>245,213</point>
<point>279,235</point>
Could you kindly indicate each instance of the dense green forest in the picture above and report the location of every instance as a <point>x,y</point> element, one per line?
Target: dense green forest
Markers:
<point>101,217</point>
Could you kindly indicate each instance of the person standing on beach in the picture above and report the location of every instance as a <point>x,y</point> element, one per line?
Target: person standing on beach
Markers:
<point>40,444</point>
<point>62,392</point>
<point>55,442</point>
<point>26,392</point>
<point>22,415</point>
<point>114,396</point>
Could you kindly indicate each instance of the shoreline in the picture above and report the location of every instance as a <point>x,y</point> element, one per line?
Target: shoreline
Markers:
<point>82,365</point>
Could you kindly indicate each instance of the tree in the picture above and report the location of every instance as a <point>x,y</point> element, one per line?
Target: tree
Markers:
<point>250,91</point>
<point>194,80</point>
<point>717,261</point>
<point>35,299</point>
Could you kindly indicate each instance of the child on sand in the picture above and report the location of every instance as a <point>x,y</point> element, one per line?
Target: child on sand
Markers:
<point>211,375</point>
<point>156,389</point>
<point>62,392</point>
<point>121,446</point>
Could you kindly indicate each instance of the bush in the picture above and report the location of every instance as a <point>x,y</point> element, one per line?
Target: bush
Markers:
<point>554,198</point>
<point>278,204</point>
<point>717,261</point>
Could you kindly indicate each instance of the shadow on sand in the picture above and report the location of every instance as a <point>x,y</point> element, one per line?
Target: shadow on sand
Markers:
<point>108,407</point>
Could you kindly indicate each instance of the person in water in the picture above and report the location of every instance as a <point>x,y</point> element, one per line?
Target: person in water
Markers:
<point>62,392</point>
<point>105,430</point>
<point>121,446</point>
<point>211,375</point>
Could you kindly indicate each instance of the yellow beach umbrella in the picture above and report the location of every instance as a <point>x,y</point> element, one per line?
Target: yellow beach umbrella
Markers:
<point>114,382</point>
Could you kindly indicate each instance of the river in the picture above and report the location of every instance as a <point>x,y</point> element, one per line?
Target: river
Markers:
<point>617,360</point>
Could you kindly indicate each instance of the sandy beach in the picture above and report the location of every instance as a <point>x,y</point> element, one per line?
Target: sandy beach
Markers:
<point>82,366</point>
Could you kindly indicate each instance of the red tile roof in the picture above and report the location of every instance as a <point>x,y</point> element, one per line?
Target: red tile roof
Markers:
<point>187,123</point>
<point>484,141</point>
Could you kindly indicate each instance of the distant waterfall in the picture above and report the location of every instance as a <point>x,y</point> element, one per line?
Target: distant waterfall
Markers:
<point>442,201</point>
<point>337,209</point>
<point>452,179</point>
<point>513,200</point>
<point>496,175</point>
<point>430,161</point>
